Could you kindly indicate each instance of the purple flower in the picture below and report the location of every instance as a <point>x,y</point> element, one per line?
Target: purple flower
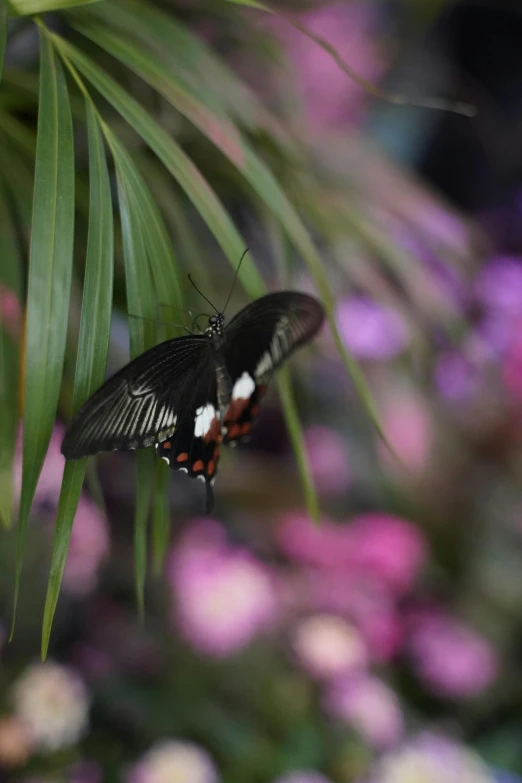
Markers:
<point>452,659</point>
<point>371,330</point>
<point>224,597</point>
<point>512,368</point>
<point>370,706</point>
<point>455,377</point>
<point>499,285</point>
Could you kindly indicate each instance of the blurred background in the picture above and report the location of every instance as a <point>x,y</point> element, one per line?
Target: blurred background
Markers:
<point>382,645</point>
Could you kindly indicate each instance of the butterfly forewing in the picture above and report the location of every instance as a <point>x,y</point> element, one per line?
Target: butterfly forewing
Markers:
<point>143,399</point>
<point>257,342</point>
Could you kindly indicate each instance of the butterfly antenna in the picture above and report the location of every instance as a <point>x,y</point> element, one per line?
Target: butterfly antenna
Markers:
<point>201,294</point>
<point>235,279</point>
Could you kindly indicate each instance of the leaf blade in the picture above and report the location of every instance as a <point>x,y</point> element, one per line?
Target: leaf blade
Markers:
<point>140,302</point>
<point>93,345</point>
<point>50,270</point>
<point>10,294</point>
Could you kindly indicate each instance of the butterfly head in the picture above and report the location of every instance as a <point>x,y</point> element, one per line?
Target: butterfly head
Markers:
<point>216,324</point>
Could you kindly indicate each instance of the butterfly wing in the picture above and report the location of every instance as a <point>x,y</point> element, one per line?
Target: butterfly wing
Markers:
<point>141,402</point>
<point>194,445</point>
<point>257,341</point>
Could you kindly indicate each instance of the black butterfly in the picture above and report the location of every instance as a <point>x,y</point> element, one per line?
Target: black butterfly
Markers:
<point>190,394</point>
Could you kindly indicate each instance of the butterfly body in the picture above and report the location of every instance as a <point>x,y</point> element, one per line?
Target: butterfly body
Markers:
<point>190,395</point>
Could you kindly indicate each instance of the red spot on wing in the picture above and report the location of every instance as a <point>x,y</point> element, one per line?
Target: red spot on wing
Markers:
<point>236,409</point>
<point>198,465</point>
<point>211,467</point>
<point>183,457</point>
<point>214,431</point>
<point>166,444</point>
<point>233,431</point>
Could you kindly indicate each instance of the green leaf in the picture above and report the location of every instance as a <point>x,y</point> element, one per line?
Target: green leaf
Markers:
<point>296,437</point>
<point>93,345</point>
<point>140,302</point>
<point>24,7</point>
<point>174,159</point>
<point>9,404</point>
<point>3,34</point>
<point>18,134</point>
<point>161,516</point>
<point>49,280</point>
<point>252,4</point>
<point>195,64</point>
<point>158,246</point>
<point>11,280</point>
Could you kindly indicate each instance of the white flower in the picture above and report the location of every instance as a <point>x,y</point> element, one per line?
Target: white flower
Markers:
<point>52,701</point>
<point>174,761</point>
<point>432,759</point>
<point>327,646</point>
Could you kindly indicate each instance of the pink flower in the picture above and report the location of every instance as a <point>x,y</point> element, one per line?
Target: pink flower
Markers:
<point>50,481</point>
<point>328,459</point>
<point>365,603</point>
<point>327,646</point>
<point>331,97</point>
<point>174,761</point>
<point>370,706</point>
<point>224,596</point>
<point>371,330</point>
<point>388,547</point>
<point>408,427</point>
<point>302,540</point>
<point>89,546</point>
<point>512,367</point>
<point>452,659</point>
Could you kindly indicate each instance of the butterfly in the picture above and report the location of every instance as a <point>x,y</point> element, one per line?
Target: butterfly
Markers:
<point>192,394</point>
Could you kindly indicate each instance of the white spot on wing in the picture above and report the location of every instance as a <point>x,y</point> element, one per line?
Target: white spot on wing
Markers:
<point>203,421</point>
<point>167,460</point>
<point>201,478</point>
<point>243,387</point>
<point>264,365</point>
<point>183,470</point>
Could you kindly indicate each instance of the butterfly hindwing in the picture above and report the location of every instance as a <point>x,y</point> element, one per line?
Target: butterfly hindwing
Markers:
<point>140,401</point>
<point>194,446</point>
<point>257,342</point>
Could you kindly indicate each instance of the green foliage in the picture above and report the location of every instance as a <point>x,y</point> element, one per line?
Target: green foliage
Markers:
<point>93,345</point>
<point>49,280</point>
<point>201,90</point>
